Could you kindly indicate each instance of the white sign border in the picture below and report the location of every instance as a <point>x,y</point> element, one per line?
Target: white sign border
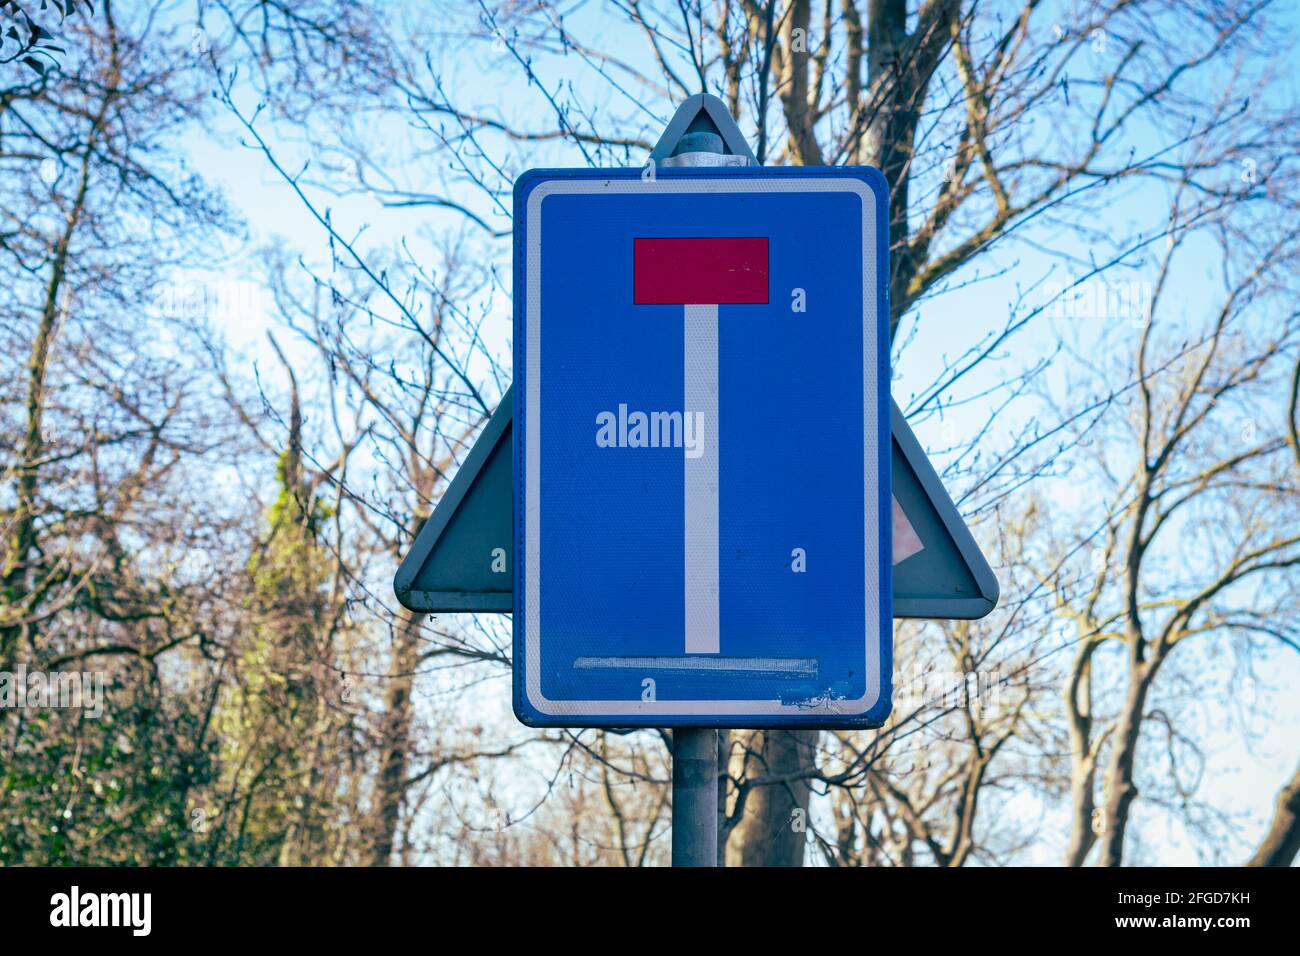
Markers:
<point>532,454</point>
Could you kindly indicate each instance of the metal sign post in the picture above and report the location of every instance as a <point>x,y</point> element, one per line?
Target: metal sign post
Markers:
<point>695,797</point>
<point>695,750</point>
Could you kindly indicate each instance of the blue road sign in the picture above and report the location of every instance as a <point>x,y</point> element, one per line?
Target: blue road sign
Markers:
<point>702,448</point>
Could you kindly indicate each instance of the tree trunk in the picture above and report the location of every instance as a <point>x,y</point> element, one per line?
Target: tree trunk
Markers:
<point>1083,761</point>
<point>1120,788</point>
<point>774,831</point>
<point>15,577</point>
<point>899,68</point>
<point>1082,836</point>
<point>396,737</point>
<point>1282,842</point>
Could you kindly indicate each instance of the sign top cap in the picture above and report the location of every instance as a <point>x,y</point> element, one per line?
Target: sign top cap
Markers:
<point>702,113</point>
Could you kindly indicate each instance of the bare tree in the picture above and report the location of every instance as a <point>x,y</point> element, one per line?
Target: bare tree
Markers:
<point>1199,488</point>
<point>104,428</point>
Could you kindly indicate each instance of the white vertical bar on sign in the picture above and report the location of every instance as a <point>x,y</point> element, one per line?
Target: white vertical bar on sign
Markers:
<point>700,342</point>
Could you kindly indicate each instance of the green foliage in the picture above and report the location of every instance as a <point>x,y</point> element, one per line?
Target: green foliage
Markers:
<point>114,790</point>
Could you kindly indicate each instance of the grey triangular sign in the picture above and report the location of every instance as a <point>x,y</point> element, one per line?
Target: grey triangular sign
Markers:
<point>939,569</point>
<point>463,557</point>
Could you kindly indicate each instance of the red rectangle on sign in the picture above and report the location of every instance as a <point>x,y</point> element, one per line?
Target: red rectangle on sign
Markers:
<point>711,271</point>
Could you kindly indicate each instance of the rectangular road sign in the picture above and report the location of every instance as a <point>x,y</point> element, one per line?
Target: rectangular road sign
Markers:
<point>702,448</point>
